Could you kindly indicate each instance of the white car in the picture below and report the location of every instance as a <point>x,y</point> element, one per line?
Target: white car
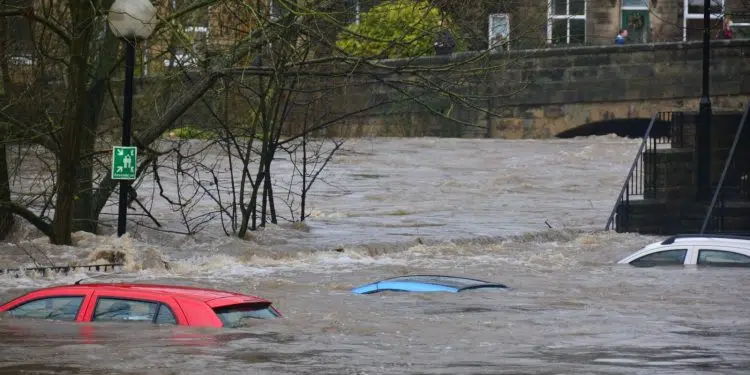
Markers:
<point>694,249</point>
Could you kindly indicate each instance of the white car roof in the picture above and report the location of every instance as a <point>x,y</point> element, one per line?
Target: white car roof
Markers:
<point>703,238</point>
<point>739,243</point>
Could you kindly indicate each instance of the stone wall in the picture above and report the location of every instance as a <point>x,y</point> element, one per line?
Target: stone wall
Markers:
<point>529,94</point>
<point>540,93</point>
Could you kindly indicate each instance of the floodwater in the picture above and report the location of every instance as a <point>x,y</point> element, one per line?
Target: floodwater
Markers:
<point>386,207</point>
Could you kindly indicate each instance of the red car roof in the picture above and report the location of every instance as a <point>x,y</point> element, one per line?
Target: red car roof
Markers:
<point>200,294</point>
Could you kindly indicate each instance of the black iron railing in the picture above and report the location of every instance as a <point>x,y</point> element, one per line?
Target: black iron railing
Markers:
<point>60,269</point>
<point>733,170</point>
<point>659,132</point>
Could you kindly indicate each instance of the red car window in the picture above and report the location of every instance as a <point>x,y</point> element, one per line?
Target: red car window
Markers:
<point>233,316</point>
<point>109,309</point>
<point>57,307</point>
<point>165,315</point>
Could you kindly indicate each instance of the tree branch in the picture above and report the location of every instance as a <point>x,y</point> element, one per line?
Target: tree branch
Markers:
<point>29,14</point>
<point>31,217</point>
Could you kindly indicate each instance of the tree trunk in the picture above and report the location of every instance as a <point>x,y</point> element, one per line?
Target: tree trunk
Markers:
<point>85,213</point>
<point>6,217</point>
<point>82,15</point>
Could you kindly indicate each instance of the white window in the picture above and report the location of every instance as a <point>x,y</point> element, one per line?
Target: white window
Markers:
<point>634,4</point>
<point>741,29</point>
<point>566,22</point>
<point>693,10</point>
<point>351,7</point>
<point>499,31</point>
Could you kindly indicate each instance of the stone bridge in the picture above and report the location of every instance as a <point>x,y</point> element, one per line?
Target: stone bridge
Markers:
<point>568,92</point>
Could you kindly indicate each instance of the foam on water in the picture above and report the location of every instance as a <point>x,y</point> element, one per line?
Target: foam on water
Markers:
<point>534,252</point>
<point>388,207</point>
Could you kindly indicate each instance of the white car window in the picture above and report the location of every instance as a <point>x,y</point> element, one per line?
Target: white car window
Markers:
<point>662,258</point>
<point>722,257</point>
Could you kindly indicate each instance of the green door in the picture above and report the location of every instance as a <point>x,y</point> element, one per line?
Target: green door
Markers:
<point>637,23</point>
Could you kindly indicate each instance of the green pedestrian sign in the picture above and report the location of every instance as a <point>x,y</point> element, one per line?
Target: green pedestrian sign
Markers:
<point>123,162</point>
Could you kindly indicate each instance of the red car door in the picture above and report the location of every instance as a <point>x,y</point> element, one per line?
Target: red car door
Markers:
<point>45,295</point>
<point>130,305</point>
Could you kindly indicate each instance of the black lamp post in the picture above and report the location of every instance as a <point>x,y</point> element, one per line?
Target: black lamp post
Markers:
<point>703,126</point>
<point>131,21</point>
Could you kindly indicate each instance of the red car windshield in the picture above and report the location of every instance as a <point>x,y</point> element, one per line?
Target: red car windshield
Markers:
<point>234,316</point>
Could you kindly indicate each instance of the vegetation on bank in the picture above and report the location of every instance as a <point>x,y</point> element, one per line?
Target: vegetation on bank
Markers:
<point>189,132</point>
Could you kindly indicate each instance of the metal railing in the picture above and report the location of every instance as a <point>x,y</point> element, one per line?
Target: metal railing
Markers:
<point>60,269</point>
<point>635,182</point>
<point>728,164</point>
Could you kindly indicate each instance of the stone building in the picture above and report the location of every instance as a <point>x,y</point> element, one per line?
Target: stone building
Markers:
<point>524,24</point>
<point>535,23</point>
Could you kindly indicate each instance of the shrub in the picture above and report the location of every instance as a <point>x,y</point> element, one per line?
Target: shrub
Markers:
<point>399,28</point>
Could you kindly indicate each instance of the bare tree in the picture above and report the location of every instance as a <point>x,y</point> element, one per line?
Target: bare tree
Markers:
<point>266,88</point>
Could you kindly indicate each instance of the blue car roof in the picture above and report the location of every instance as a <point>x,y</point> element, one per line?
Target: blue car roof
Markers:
<point>426,283</point>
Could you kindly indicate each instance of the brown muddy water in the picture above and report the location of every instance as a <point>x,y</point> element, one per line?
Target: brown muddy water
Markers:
<point>387,207</point>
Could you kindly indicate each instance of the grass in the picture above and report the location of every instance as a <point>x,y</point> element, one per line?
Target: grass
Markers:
<point>399,213</point>
<point>189,132</point>
<point>192,132</point>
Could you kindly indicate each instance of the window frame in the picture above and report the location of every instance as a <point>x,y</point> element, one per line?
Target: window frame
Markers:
<point>551,17</point>
<point>159,305</point>
<point>75,318</point>
<point>492,25</point>
<point>733,24</point>
<point>356,8</point>
<point>635,7</point>
<point>686,15</point>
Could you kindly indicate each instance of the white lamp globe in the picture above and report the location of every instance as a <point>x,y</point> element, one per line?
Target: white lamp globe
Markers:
<point>132,19</point>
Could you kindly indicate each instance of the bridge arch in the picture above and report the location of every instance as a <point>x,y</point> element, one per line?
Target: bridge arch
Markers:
<point>623,127</point>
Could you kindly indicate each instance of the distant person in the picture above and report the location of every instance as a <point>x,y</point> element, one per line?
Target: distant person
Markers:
<point>726,29</point>
<point>445,43</point>
<point>620,39</point>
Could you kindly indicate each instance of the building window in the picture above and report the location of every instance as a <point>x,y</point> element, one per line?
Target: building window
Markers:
<point>635,4</point>
<point>693,15</point>
<point>567,22</point>
<point>740,27</point>
<point>499,31</point>
<point>352,11</point>
<point>634,16</point>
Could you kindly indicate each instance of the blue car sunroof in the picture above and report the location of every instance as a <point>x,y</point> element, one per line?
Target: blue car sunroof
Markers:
<point>426,283</point>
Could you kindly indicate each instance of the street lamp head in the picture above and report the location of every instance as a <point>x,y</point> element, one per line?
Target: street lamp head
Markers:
<point>132,19</point>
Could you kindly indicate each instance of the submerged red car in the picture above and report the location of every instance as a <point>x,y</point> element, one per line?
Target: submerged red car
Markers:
<point>145,303</point>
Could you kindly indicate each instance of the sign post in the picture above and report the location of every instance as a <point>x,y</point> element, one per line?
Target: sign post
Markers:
<point>123,168</point>
<point>124,162</point>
